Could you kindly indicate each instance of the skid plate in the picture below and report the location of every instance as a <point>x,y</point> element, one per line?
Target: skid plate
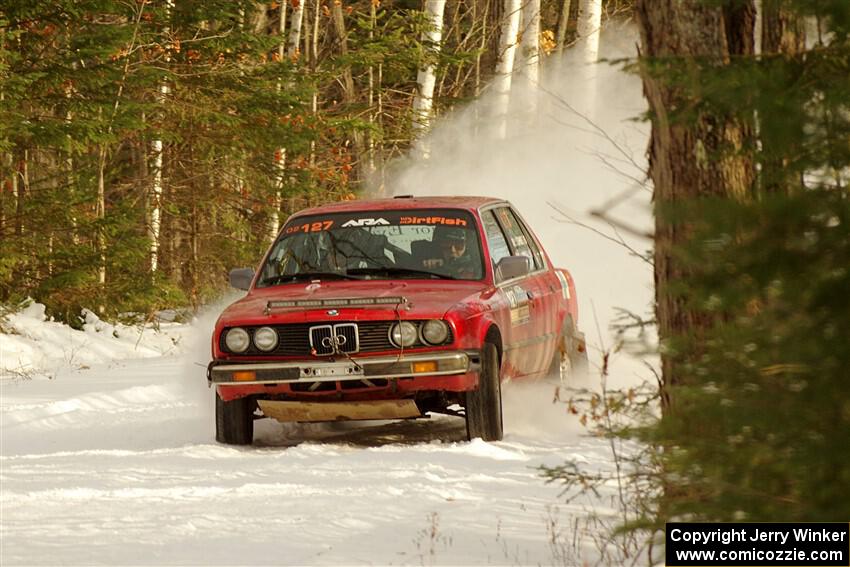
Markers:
<point>339,411</point>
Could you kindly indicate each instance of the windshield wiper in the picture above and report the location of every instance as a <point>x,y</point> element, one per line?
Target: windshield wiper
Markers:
<point>307,276</point>
<point>402,271</point>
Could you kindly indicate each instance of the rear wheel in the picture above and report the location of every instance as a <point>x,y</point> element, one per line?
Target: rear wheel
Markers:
<point>234,420</point>
<point>484,405</point>
<point>570,356</point>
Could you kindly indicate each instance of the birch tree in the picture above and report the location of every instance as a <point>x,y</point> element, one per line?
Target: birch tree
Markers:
<point>588,26</point>
<point>314,61</point>
<point>374,94</point>
<point>155,202</point>
<point>561,29</point>
<point>529,61</point>
<point>295,29</point>
<point>280,153</point>
<point>505,65</point>
<point>423,102</point>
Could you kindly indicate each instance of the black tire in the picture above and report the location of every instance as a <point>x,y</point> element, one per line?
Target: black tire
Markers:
<point>573,346</point>
<point>484,404</point>
<point>234,421</point>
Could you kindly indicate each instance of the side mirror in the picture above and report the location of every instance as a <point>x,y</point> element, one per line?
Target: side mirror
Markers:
<point>511,267</point>
<point>241,278</point>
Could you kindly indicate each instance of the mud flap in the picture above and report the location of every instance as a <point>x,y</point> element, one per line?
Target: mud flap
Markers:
<point>339,411</point>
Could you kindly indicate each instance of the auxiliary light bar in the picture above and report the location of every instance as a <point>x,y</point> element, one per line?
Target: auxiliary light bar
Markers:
<point>339,302</point>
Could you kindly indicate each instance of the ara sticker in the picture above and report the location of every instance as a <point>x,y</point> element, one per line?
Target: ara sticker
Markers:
<point>366,222</point>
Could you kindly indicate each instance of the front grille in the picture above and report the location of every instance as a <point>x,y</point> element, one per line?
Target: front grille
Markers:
<point>326,339</point>
<point>294,339</point>
<point>347,336</point>
<point>319,338</point>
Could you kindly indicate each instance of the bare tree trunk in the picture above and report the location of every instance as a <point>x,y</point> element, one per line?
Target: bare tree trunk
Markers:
<point>423,101</point>
<point>379,115</point>
<point>782,30</point>
<point>295,29</point>
<point>11,184</point>
<point>783,33</point>
<point>194,245</point>
<point>679,162</point>
<point>529,61</point>
<point>19,193</point>
<point>530,41</point>
<point>22,192</point>
<point>373,18</point>
<point>563,22</point>
<point>505,66</point>
<point>739,19</point>
<point>280,153</point>
<point>588,26</point>
<point>314,63</point>
<point>349,90</point>
<point>100,215</point>
<point>342,36</point>
<point>155,205</point>
<point>482,45</point>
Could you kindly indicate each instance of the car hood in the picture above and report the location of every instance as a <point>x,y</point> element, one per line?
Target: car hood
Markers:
<point>424,300</point>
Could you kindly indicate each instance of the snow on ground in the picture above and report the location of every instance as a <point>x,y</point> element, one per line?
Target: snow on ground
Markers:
<point>116,464</point>
<point>34,346</point>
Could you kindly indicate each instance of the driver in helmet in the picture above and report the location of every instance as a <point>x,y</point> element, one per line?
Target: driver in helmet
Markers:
<point>453,258</point>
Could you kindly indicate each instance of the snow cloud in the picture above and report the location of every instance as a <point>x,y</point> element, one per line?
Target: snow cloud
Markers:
<point>583,153</point>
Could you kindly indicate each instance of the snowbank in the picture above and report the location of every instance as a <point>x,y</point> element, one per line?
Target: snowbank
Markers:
<point>33,346</point>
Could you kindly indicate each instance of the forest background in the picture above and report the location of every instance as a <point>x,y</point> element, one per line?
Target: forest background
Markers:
<point>150,146</point>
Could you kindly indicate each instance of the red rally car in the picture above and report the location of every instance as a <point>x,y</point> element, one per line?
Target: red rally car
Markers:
<point>390,309</point>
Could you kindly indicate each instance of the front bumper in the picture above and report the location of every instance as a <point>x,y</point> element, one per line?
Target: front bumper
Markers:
<point>440,363</point>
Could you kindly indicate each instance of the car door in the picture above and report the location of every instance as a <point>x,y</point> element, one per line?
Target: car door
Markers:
<point>520,327</point>
<point>537,333</point>
<point>549,304</point>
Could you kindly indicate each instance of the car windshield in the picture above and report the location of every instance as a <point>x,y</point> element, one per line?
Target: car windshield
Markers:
<point>423,244</point>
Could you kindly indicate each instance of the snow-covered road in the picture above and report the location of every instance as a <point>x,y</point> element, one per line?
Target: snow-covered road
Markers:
<point>117,464</point>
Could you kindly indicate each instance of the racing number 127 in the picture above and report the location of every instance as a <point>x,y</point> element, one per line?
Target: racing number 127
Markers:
<point>314,227</point>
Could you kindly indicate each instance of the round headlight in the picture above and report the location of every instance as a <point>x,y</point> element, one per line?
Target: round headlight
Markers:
<point>237,340</point>
<point>403,334</point>
<point>265,338</point>
<point>435,332</point>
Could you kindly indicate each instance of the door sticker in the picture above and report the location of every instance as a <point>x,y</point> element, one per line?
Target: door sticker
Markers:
<point>565,286</point>
<point>518,300</point>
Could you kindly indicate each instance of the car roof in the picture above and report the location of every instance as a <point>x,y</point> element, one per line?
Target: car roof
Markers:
<point>402,203</point>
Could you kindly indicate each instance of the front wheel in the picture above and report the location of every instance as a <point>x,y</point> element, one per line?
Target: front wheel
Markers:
<point>484,405</point>
<point>234,420</point>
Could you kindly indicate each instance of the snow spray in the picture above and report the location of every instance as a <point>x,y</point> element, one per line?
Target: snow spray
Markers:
<point>576,172</point>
